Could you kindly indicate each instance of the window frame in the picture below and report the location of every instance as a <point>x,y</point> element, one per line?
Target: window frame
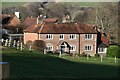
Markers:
<point>50,37</point>
<point>87,36</point>
<point>49,47</point>
<point>87,47</point>
<point>74,36</point>
<point>100,50</point>
<point>74,47</point>
<point>61,38</point>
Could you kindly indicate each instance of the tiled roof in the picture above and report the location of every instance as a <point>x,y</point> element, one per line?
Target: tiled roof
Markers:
<point>5,18</point>
<point>104,39</point>
<point>32,21</point>
<point>61,28</point>
<point>51,20</point>
<point>103,45</point>
<point>29,21</point>
<point>9,21</point>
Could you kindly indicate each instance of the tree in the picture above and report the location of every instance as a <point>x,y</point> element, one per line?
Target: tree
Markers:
<point>107,19</point>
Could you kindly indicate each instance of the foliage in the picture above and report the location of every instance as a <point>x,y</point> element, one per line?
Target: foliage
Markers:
<point>97,55</point>
<point>39,45</point>
<point>4,36</point>
<point>28,43</point>
<point>113,51</point>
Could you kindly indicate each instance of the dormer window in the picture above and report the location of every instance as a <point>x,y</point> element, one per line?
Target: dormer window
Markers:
<point>61,37</point>
<point>49,36</point>
<point>88,36</point>
<point>72,36</point>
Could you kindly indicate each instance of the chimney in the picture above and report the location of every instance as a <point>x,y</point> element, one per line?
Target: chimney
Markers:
<point>41,16</point>
<point>66,19</point>
<point>76,23</point>
<point>38,19</point>
<point>17,14</point>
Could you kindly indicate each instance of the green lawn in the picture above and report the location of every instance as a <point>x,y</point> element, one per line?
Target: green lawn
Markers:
<point>12,4</point>
<point>26,64</point>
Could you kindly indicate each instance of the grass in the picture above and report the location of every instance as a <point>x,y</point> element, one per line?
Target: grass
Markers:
<point>12,4</point>
<point>26,64</point>
<point>81,4</point>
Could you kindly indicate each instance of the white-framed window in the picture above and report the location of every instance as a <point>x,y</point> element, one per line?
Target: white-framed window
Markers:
<point>49,48</point>
<point>72,48</point>
<point>88,36</point>
<point>88,48</point>
<point>101,50</point>
<point>72,36</point>
<point>61,37</point>
<point>49,36</point>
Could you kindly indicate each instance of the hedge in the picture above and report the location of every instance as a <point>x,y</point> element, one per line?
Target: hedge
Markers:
<point>113,51</point>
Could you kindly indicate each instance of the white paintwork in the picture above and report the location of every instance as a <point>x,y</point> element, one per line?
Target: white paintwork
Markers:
<point>105,50</point>
<point>17,14</point>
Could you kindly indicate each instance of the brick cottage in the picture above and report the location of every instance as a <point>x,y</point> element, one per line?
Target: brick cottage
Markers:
<point>67,37</point>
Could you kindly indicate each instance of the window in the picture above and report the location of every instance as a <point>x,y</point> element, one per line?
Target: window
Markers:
<point>88,48</point>
<point>88,36</point>
<point>72,48</point>
<point>61,36</point>
<point>49,36</point>
<point>101,49</point>
<point>72,36</point>
<point>49,48</point>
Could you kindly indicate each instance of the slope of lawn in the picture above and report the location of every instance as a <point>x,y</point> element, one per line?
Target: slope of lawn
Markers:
<point>26,64</point>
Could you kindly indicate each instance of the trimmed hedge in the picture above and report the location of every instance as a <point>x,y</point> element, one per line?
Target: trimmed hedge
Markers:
<point>39,45</point>
<point>113,51</point>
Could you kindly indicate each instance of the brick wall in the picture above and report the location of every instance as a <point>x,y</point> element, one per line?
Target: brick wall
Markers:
<point>30,36</point>
<point>84,42</point>
<point>55,41</point>
<point>80,45</point>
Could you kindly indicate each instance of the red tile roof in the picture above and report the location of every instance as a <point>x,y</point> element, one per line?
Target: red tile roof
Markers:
<point>61,28</point>
<point>51,20</point>
<point>29,21</point>
<point>104,39</point>
<point>6,19</point>
<point>9,21</point>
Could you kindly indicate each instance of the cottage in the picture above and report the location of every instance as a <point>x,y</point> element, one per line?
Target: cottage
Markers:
<point>67,37</point>
<point>9,21</point>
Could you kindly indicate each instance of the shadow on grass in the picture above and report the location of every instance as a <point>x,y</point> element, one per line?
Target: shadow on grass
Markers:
<point>42,66</point>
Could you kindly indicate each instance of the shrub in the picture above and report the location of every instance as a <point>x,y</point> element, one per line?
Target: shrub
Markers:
<point>39,45</point>
<point>28,43</point>
<point>113,51</point>
<point>97,55</point>
<point>83,54</point>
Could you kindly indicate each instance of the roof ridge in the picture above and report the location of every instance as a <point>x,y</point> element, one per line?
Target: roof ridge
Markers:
<point>42,25</point>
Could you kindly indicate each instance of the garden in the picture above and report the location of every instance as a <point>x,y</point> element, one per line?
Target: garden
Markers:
<point>35,64</point>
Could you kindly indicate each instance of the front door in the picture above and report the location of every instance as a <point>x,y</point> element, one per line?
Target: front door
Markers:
<point>63,48</point>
